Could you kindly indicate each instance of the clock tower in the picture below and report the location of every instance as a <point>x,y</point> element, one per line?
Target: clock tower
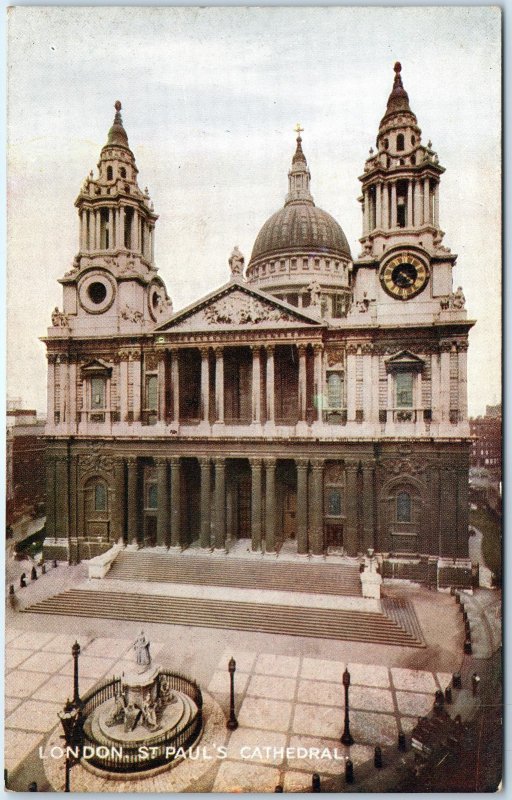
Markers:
<point>404,271</point>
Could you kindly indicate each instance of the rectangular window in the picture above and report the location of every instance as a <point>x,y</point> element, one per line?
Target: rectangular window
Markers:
<point>404,389</point>
<point>338,306</point>
<point>152,496</point>
<point>98,393</point>
<point>151,393</point>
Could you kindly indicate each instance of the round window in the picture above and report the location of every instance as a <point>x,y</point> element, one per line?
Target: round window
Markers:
<point>97,292</point>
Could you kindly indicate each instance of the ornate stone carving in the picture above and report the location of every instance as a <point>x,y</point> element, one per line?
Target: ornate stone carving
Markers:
<point>96,460</point>
<point>59,319</point>
<point>131,315</point>
<point>335,356</point>
<point>316,296</point>
<point>405,466</point>
<point>363,305</point>
<point>351,349</point>
<point>453,301</point>
<point>244,311</point>
<point>367,349</point>
<point>236,263</point>
<point>151,360</point>
<point>335,474</point>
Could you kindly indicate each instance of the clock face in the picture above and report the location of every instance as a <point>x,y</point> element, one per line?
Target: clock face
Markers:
<point>404,277</point>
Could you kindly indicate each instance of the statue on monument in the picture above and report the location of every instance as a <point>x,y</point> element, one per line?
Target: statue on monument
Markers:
<point>141,646</point>
<point>236,263</point>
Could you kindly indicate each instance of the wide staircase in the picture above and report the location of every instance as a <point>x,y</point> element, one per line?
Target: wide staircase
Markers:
<point>324,623</point>
<point>237,573</point>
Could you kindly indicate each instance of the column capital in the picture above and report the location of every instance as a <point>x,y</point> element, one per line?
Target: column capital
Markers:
<point>351,349</point>
<point>256,349</point>
<point>204,461</point>
<point>160,461</point>
<point>318,347</point>
<point>175,461</point>
<point>302,463</point>
<point>270,348</point>
<point>204,351</point>
<point>317,464</point>
<point>301,348</point>
<point>256,463</point>
<point>219,461</point>
<point>219,351</point>
<point>131,461</point>
<point>270,462</point>
<point>351,466</point>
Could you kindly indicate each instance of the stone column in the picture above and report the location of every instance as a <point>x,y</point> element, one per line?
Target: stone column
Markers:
<point>378,206</point>
<point>136,232</point>
<point>61,496</point>
<point>463,381</point>
<point>368,388</point>
<point>162,519</point>
<point>97,229</point>
<point>123,385</point>
<point>462,512</point>
<point>366,201</point>
<point>302,506</point>
<point>385,206</point>
<point>375,387</point>
<point>436,205</point>
<point>256,384</point>
<point>175,502</point>
<point>63,381</point>
<point>270,505</point>
<point>204,539</point>
<point>73,496</point>
<point>256,474</point>
<point>72,409</point>
<point>393,204</point>
<point>137,387</point>
<point>132,494</point>
<point>270,399</point>
<point>83,230</point>
<point>219,384</point>
<point>175,386</point>
<point>350,535</point>
<point>319,379</point>
<point>111,229</point>
<point>205,384</point>
<point>302,381</point>
<point>316,507</point>
<point>161,386</point>
<point>120,237</point>
<point>152,245</point>
<point>118,500</point>
<point>426,201</point>
<point>368,500</point>
<point>50,396</point>
<point>418,208</point>
<point>410,216</point>
<point>351,382</point>
<point>444,383</point>
<point>50,497</point>
<point>435,402</point>
<point>220,504</point>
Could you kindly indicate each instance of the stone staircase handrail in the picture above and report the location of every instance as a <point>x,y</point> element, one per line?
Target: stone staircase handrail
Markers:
<point>99,565</point>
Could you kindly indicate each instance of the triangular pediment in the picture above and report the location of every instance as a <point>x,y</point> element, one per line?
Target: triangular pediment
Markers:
<point>96,367</point>
<point>238,306</point>
<point>404,361</point>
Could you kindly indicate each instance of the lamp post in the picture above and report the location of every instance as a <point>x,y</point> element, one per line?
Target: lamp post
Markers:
<point>72,724</point>
<point>75,652</point>
<point>232,723</point>
<point>371,551</point>
<point>346,737</point>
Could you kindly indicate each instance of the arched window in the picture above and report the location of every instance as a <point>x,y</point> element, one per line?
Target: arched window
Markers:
<point>334,390</point>
<point>122,172</point>
<point>400,142</point>
<point>152,496</point>
<point>110,174</point>
<point>100,497</point>
<point>386,144</point>
<point>403,507</point>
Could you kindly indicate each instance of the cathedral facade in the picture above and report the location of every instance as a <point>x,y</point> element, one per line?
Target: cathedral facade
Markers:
<point>315,402</point>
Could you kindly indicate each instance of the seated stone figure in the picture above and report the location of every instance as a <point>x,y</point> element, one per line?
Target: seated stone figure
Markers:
<point>131,716</point>
<point>149,712</point>
<point>166,696</point>
<point>117,716</point>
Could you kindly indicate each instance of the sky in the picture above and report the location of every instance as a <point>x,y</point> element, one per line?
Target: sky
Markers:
<point>210,100</point>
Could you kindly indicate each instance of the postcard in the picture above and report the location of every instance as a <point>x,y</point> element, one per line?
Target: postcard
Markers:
<point>253,536</point>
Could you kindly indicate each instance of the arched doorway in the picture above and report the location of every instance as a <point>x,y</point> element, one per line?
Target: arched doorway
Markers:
<point>287,496</point>
<point>97,509</point>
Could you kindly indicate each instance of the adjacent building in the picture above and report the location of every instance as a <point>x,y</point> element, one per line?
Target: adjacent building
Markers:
<point>316,402</point>
<point>25,464</point>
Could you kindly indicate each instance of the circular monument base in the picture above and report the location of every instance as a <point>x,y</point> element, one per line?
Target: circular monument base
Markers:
<point>174,716</point>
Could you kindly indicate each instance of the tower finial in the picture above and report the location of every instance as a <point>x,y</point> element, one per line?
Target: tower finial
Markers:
<point>117,134</point>
<point>117,105</point>
<point>398,66</point>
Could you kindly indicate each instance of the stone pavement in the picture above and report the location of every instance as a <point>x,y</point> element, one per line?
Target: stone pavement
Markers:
<point>289,708</point>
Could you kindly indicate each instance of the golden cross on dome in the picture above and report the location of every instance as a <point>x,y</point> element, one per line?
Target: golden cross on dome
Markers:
<point>298,129</point>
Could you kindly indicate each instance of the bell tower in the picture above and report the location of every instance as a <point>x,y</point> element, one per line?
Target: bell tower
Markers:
<point>403,265</point>
<point>113,285</point>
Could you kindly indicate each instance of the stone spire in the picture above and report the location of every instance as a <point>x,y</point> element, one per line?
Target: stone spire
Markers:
<point>398,100</point>
<point>117,135</point>
<point>299,176</point>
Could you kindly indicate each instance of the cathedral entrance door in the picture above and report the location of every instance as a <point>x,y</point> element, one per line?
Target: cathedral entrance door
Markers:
<point>150,530</point>
<point>244,507</point>
<point>289,513</point>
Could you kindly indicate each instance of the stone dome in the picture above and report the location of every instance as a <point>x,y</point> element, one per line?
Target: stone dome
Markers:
<point>300,227</point>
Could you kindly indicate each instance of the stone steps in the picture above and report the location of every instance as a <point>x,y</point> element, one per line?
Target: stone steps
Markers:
<point>343,625</point>
<point>240,573</point>
<point>401,611</point>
